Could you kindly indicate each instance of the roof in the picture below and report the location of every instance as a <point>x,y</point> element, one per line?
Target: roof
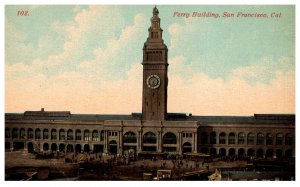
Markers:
<point>67,116</point>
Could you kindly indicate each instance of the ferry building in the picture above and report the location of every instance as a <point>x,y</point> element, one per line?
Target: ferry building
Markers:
<point>154,130</point>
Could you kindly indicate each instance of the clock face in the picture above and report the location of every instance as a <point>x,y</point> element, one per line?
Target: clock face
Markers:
<point>153,81</point>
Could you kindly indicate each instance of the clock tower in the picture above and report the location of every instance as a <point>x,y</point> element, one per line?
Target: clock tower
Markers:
<point>155,73</point>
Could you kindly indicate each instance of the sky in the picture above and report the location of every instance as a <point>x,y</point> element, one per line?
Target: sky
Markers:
<point>87,59</point>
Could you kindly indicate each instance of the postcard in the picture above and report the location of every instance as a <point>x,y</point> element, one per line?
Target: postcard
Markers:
<point>150,92</point>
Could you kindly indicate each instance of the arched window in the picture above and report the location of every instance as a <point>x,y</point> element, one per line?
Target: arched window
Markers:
<point>30,133</point>
<point>95,135</point>
<point>288,139</point>
<point>213,137</point>
<point>279,139</point>
<point>129,137</point>
<point>37,134</point>
<point>260,139</point>
<point>62,134</point>
<point>7,132</point>
<point>15,133</point>
<point>269,139</point>
<point>250,139</point>
<point>204,138</point>
<point>53,134</point>
<point>241,138</point>
<point>78,134</point>
<point>22,133</point>
<point>222,138</point>
<point>149,137</point>
<point>45,134</point>
<point>231,138</point>
<point>169,138</point>
<point>70,135</point>
<point>86,135</point>
<point>102,135</point>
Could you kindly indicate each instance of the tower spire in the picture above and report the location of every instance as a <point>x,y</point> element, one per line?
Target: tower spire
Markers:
<point>155,11</point>
<point>155,32</point>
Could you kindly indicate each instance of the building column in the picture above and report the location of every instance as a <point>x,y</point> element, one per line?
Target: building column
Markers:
<point>139,148</point>
<point>105,150</point>
<point>159,142</point>
<point>120,150</point>
<point>42,146</point>
<point>42,134</point>
<point>195,142</point>
<point>179,144</point>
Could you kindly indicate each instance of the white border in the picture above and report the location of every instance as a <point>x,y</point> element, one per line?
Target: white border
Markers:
<point>158,2</point>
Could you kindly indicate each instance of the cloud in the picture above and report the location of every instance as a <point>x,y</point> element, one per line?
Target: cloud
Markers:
<point>265,69</point>
<point>204,95</point>
<point>88,86</point>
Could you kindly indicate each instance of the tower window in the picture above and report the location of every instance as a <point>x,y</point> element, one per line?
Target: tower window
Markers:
<point>153,94</point>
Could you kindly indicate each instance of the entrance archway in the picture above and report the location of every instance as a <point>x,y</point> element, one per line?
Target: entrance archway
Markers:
<point>169,139</point>
<point>78,148</point>
<point>129,137</point>
<point>250,152</point>
<point>46,147</point>
<point>86,148</point>
<point>260,153</point>
<point>278,153</point>
<point>231,152</point>
<point>149,138</point>
<point>53,147</point>
<point>70,148</point>
<point>62,147</point>
<point>241,152</point>
<point>187,147</point>
<point>113,147</point>
<point>149,141</point>
<point>30,147</point>
<point>269,153</point>
<point>222,152</point>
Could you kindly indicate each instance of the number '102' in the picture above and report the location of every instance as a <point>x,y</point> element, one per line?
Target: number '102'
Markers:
<point>22,13</point>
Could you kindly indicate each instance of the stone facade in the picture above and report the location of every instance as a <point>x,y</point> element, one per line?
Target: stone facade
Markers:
<point>251,136</point>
